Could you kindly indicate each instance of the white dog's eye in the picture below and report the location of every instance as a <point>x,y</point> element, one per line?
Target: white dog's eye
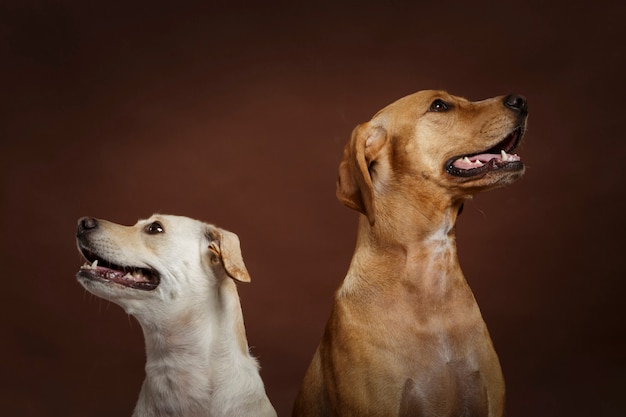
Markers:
<point>154,228</point>
<point>439,106</point>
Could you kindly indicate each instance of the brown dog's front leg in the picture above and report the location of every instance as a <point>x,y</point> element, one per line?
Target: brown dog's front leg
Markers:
<point>410,404</point>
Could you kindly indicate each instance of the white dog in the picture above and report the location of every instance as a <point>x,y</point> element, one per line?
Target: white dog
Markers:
<point>176,276</point>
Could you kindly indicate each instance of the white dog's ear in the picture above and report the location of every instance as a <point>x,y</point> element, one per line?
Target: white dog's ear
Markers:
<point>354,185</point>
<point>227,250</point>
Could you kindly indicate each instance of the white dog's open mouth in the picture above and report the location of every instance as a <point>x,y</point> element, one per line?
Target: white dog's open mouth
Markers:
<point>496,158</point>
<point>98,269</point>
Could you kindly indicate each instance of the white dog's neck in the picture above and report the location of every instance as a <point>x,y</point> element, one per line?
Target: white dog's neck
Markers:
<point>194,360</point>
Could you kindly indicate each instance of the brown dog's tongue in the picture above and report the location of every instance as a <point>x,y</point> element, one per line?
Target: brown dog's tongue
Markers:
<point>476,161</point>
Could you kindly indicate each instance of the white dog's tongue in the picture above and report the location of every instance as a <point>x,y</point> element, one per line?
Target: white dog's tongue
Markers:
<point>476,161</point>
<point>115,275</point>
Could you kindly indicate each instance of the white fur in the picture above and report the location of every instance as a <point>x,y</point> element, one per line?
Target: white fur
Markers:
<point>197,359</point>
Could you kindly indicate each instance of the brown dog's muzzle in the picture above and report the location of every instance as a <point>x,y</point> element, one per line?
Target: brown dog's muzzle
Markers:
<point>499,157</point>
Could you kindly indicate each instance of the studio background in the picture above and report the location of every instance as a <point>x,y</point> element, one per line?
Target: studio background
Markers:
<point>237,114</point>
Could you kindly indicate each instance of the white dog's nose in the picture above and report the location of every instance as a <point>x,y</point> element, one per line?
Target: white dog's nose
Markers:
<point>85,225</point>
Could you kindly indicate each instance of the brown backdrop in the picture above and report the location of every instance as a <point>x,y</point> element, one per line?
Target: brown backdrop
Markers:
<point>237,115</point>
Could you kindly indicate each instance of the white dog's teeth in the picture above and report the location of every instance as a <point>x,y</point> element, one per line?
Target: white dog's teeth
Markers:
<point>478,163</point>
<point>87,265</point>
<point>133,276</point>
<point>466,159</point>
<point>503,155</point>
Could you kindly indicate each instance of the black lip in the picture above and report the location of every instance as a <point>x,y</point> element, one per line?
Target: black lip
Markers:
<point>508,144</point>
<point>154,278</point>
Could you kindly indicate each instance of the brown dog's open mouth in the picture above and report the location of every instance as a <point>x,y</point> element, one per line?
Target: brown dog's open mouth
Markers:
<point>98,269</point>
<point>496,158</point>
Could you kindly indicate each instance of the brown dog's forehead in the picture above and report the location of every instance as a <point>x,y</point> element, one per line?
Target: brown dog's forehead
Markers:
<point>427,96</point>
<point>417,103</point>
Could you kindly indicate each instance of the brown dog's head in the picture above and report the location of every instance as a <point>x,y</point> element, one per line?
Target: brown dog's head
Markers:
<point>432,145</point>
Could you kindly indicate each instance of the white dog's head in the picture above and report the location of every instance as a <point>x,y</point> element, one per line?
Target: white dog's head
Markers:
<point>159,264</point>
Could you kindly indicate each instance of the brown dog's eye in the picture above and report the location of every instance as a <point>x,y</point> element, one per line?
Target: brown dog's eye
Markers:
<point>154,228</point>
<point>439,106</point>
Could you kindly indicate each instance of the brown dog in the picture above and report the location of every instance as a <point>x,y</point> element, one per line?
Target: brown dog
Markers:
<point>405,336</point>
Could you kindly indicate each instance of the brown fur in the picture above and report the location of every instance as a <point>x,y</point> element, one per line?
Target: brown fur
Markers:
<point>405,336</point>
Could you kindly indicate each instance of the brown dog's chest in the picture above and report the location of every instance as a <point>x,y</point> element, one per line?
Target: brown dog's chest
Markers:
<point>456,389</point>
<point>436,364</point>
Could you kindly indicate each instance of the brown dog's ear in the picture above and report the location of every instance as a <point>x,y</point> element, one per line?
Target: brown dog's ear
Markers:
<point>225,246</point>
<point>354,185</point>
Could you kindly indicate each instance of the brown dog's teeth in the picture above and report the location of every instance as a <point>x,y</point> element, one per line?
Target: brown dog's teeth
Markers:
<point>472,163</point>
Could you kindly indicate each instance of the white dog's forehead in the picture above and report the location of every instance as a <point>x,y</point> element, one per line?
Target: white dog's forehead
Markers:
<point>172,223</point>
<point>166,239</point>
<point>169,233</point>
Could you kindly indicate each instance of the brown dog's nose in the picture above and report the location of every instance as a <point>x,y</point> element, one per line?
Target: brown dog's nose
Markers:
<point>516,102</point>
<point>85,225</point>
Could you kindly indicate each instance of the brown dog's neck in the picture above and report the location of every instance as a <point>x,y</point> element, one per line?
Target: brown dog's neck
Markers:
<point>408,223</point>
<point>419,253</point>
